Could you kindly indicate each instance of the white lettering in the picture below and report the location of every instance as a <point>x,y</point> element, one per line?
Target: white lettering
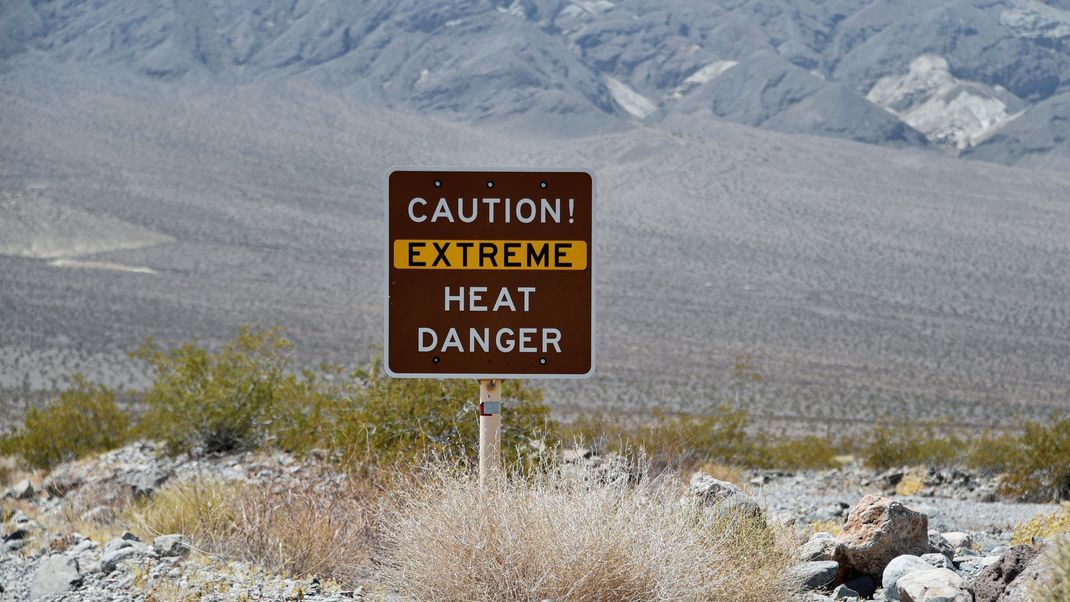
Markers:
<point>412,206</point>
<point>427,346</point>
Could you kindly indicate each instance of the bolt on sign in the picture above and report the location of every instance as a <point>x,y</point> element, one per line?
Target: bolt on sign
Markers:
<point>489,274</point>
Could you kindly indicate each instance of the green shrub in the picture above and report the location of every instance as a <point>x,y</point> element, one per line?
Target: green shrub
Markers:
<point>82,420</point>
<point>215,402</point>
<point>911,444</point>
<point>401,419</point>
<point>797,453</point>
<point>1041,467</point>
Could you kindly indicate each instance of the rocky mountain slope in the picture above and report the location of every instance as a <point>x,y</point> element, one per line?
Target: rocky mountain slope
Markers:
<point>954,75</point>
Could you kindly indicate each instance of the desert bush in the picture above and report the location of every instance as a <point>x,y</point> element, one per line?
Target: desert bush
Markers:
<point>562,538</point>
<point>911,444</point>
<point>297,530</point>
<point>84,419</point>
<point>214,401</point>
<point>1041,467</point>
<point>1046,526</point>
<point>410,420</point>
<point>796,453</point>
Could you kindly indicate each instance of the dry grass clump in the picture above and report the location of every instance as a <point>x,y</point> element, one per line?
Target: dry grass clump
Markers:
<point>913,481</point>
<point>298,531</point>
<point>1044,525</point>
<point>555,537</point>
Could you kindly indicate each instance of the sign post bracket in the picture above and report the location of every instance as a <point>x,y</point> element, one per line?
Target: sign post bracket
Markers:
<point>490,427</point>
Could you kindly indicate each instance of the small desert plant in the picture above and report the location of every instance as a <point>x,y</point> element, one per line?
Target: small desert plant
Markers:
<point>554,537</point>
<point>1046,526</point>
<point>215,402</point>
<point>298,530</point>
<point>912,482</point>
<point>84,419</point>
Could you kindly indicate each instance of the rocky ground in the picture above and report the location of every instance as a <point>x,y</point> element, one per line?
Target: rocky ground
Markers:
<point>949,539</point>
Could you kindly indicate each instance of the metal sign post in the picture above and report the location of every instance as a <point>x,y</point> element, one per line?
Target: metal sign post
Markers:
<point>490,430</point>
<point>489,275</point>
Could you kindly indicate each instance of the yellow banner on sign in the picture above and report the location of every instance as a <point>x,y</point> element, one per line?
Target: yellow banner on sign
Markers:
<point>490,254</point>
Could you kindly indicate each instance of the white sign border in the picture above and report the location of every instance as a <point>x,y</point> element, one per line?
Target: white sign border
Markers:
<point>386,272</point>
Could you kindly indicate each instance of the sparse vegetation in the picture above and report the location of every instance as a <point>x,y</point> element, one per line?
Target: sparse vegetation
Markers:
<point>1046,526</point>
<point>682,442</point>
<point>298,532</point>
<point>1035,462</point>
<point>552,537</point>
<point>82,420</point>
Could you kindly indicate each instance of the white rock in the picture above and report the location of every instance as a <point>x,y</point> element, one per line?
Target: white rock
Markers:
<point>55,575</point>
<point>959,540</point>
<point>933,585</point>
<point>897,569</point>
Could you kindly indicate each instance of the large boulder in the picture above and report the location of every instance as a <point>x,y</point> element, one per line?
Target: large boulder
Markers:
<point>991,583</point>
<point>933,585</point>
<point>877,530</point>
<point>897,569</point>
<point>55,574</point>
<point>723,496</point>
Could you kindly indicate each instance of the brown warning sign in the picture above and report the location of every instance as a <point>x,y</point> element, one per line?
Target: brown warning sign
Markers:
<point>489,274</point>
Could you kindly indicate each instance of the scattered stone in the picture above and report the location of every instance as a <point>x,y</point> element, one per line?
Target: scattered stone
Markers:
<point>842,592</point>
<point>959,540</point>
<point>116,544</point>
<point>877,530</point>
<point>722,495</point>
<point>939,545</point>
<point>995,578</point>
<point>128,536</point>
<point>826,513</point>
<point>171,545</point>
<point>55,574</point>
<point>143,485</point>
<point>938,560</point>
<point>820,546</point>
<point>23,490</point>
<point>809,576</point>
<point>896,569</point>
<point>933,585</point>
<point>109,560</point>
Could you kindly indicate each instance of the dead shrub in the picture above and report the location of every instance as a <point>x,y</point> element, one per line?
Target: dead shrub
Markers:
<point>561,538</point>
<point>307,530</point>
